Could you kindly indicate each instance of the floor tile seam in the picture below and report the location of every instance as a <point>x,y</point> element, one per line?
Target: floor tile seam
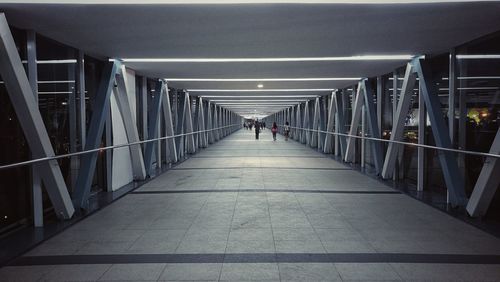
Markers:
<point>272,232</point>
<point>228,234</point>
<point>104,273</point>
<point>191,224</point>
<point>312,226</point>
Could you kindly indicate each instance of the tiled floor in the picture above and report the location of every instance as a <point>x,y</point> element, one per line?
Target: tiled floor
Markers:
<point>268,211</point>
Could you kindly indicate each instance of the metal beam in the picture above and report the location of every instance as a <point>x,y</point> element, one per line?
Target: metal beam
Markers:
<point>122,99</point>
<point>399,121</point>
<point>170,147</point>
<point>327,148</point>
<point>191,148</point>
<point>36,182</point>
<point>487,183</point>
<point>26,107</point>
<point>453,178</point>
<point>340,122</point>
<point>315,124</point>
<point>356,118</point>
<point>452,80</point>
<point>210,123</point>
<point>201,122</point>
<point>100,114</point>
<point>153,120</point>
<point>422,120</point>
<point>373,128</point>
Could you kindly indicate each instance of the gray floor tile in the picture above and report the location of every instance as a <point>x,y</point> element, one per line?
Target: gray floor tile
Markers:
<point>250,271</point>
<point>260,246</point>
<point>308,272</point>
<point>310,246</point>
<point>191,271</point>
<point>85,272</point>
<point>24,273</point>
<point>366,271</point>
<point>201,247</point>
<point>447,272</point>
<point>145,271</point>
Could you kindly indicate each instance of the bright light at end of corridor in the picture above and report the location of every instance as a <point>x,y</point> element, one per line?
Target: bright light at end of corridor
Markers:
<point>404,57</point>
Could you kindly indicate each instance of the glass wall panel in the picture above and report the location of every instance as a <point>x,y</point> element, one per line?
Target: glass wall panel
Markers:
<point>479,106</point>
<point>15,191</point>
<point>93,71</point>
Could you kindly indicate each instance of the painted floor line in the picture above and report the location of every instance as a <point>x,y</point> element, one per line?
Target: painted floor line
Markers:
<point>263,190</point>
<point>259,258</point>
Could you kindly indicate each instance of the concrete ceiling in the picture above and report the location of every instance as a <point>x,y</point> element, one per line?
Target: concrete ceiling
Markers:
<point>259,31</point>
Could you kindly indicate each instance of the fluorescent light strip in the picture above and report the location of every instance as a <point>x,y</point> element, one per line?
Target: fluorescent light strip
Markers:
<point>474,77</point>
<point>473,88</point>
<point>260,90</point>
<point>291,59</point>
<point>56,92</point>
<point>56,81</point>
<point>41,62</point>
<point>257,96</point>
<point>263,79</point>
<point>460,77</point>
<point>263,100</point>
<point>490,56</point>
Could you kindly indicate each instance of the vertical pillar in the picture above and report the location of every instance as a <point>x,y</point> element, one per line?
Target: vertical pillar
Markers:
<point>144,110</point>
<point>25,105</point>
<point>452,80</point>
<point>35,178</point>
<point>363,133</point>
<point>421,140</point>
<point>380,102</point>
<point>80,86</point>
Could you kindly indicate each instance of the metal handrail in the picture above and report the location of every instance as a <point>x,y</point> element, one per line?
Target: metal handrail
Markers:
<point>401,142</point>
<point>33,161</point>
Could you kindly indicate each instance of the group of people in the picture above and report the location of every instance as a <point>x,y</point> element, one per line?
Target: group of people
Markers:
<point>262,125</point>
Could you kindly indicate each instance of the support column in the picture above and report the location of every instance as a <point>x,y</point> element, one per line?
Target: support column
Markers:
<point>398,122</point>
<point>422,120</point>
<point>36,182</point>
<point>487,183</point>
<point>121,94</point>
<point>356,117</point>
<point>26,107</point>
<point>327,149</point>
<point>153,120</point>
<point>168,122</point>
<point>453,178</point>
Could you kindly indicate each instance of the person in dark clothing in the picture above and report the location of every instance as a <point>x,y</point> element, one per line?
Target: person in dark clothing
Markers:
<point>287,131</point>
<point>257,129</point>
<point>274,130</point>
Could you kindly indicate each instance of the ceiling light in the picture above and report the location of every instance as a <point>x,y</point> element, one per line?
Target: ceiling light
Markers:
<point>258,96</point>
<point>290,59</point>
<point>263,100</point>
<point>41,62</point>
<point>260,85</point>
<point>490,56</point>
<point>263,79</point>
<point>261,90</point>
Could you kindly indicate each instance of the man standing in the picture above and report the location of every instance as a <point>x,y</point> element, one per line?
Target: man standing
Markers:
<point>257,129</point>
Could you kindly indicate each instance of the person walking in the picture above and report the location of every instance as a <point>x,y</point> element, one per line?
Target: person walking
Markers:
<point>287,130</point>
<point>257,130</point>
<point>274,130</point>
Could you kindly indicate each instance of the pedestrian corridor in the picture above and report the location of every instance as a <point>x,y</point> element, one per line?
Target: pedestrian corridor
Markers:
<point>246,209</point>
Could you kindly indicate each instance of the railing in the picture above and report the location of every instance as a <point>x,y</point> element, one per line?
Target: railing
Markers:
<point>33,161</point>
<point>399,142</point>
